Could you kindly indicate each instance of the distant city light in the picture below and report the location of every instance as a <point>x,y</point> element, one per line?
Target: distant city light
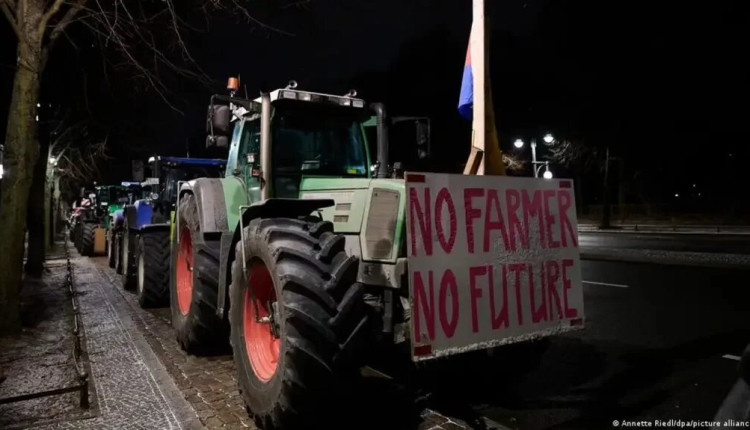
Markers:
<point>518,143</point>
<point>699,194</point>
<point>693,185</point>
<point>677,194</point>
<point>38,105</point>
<point>548,138</point>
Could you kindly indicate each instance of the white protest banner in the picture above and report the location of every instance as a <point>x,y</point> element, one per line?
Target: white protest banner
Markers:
<point>491,260</point>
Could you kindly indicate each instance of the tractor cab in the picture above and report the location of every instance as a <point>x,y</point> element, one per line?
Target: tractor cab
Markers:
<point>310,135</point>
<point>314,135</point>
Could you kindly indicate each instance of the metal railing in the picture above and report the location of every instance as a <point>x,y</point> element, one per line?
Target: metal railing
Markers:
<point>81,375</point>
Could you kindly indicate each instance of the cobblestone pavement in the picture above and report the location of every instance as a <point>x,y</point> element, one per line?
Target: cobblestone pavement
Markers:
<point>209,383</point>
<point>140,378</point>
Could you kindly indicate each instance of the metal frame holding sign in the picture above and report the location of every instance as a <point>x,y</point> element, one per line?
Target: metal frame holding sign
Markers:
<point>493,260</point>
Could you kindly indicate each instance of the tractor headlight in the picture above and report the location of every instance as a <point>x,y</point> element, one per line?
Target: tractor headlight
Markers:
<point>381,223</point>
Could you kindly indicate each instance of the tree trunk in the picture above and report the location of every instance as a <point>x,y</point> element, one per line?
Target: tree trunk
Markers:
<point>36,217</point>
<point>22,151</point>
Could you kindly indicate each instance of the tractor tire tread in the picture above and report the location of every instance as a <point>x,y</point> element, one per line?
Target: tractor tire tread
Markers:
<point>201,330</point>
<point>87,239</point>
<point>156,253</point>
<point>304,260</point>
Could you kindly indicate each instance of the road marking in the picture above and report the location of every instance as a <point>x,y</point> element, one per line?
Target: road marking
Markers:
<point>606,284</point>
<point>731,357</point>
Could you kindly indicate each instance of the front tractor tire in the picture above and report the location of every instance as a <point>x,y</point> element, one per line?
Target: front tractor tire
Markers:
<point>153,269</point>
<point>195,284</point>
<point>295,357</point>
<point>87,239</point>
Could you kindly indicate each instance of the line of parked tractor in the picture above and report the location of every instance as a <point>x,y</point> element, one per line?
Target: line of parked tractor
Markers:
<point>131,223</point>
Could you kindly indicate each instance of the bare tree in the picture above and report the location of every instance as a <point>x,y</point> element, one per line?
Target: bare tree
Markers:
<point>584,157</point>
<point>134,30</point>
<point>513,163</point>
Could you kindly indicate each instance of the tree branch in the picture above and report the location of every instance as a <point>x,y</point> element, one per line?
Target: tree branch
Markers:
<point>47,16</point>
<point>67,18</point>
<point>7,7</point>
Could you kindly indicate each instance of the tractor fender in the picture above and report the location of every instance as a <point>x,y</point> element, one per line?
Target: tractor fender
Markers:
<point>143,213</point>
<point>209,195</point>
<point>270,208</point>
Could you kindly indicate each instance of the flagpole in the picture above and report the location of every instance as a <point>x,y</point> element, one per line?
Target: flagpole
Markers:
<point>478,58</point>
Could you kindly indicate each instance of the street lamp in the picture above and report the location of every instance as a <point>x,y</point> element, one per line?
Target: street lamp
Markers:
<point>537,165</point>
<point>547,172</point>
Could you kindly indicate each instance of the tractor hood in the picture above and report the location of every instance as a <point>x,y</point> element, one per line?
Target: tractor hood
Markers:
<point>371,208</point>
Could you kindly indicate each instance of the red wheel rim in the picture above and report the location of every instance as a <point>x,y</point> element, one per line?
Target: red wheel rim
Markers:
<point>185,271</point>
<point>261,346</point>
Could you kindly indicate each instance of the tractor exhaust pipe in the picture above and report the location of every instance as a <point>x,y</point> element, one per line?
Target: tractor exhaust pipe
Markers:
<point>382,127</point>
<point>266,187</point>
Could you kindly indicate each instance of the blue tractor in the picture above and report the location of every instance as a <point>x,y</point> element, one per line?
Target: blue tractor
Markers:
<point>147,226</point>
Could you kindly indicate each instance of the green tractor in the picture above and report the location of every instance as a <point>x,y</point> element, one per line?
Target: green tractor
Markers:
<point>299,254</point>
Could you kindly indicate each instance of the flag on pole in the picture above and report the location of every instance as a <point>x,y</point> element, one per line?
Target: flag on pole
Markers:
<point>466,96</point>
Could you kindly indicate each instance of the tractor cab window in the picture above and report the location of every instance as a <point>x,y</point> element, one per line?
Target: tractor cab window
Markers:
<point>306,143</point>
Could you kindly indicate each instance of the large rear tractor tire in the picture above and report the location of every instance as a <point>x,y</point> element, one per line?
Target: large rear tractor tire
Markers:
<point>153,269</point>
<point>294,359</point>
<point>195,284</point>
<point>129,269</point>
<point>111,249</point>
<point>87,239</point>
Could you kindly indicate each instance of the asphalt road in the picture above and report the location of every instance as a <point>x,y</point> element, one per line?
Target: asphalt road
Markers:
<point>725,243</point>
<point>653,348</point>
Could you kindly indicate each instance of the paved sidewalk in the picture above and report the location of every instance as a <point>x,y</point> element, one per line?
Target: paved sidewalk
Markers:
<point>41,357</point>
<point>129,387</point>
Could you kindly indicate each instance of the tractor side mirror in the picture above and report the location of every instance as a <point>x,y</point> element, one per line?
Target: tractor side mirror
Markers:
<point>218,124</point>
<point>219,119</point>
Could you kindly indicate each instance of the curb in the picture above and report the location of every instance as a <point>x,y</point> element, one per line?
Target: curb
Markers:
<point>668,258</point>
<point>680,230</point>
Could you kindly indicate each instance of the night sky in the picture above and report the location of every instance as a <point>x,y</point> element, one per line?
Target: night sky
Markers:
<point>663,84</point>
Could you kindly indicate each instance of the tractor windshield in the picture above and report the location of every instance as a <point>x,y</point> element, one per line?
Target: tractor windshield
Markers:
<point>122,196</point>
<point>316,143</point>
